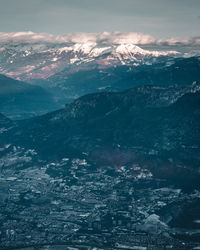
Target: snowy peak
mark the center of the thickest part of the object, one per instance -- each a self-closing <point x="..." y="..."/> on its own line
<point x="84" y="48"/>
<point x="93" y="49"/>
<point x="129" y="48"/>
<point x="40" y="62"/>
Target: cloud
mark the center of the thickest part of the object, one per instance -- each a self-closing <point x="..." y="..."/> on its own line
<point x="99" y="38"/>
<point x="194" y="41"/>
<point x="128" y="37"/>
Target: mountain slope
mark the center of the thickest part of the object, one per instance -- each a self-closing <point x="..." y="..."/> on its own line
<point x="73" y="82"/>
<point x="4" y="122"/>
<point x="155" y="126"/>
<point x="20" y="100"/>
<point x="70" y="70"/>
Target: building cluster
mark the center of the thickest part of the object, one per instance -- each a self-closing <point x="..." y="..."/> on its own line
<point x="74" y="204"/>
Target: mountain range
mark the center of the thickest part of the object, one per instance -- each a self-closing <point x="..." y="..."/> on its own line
<point x="74" y="82"/>
<point x="29" y="61"/>
<point x="68" y="70"/>
<point x="99" y="142"/>
<point x="144" y="124"/>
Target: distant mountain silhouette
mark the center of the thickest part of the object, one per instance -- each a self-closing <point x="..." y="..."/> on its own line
<point x="19" y="100"/>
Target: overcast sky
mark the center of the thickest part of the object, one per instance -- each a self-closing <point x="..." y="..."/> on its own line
<point x="160" y="18"/>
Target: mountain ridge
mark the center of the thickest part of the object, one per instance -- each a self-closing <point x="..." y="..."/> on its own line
<point x="26" y="64"/>
<point x="105" y="120"/>
<point x="19" y="99"/>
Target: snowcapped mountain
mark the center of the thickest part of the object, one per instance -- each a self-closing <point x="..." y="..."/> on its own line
<point x="40" y="61"/>
<point x="72" y="66"/>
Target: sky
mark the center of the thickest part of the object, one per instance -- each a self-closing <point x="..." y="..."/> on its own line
<point x="159" y="18"/>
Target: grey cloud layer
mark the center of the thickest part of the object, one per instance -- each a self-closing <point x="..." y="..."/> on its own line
<point x="99" y="38"/>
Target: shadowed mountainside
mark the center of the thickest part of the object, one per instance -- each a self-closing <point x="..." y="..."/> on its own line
<point x="19" y="100"/>
<point x="156" y="126"/>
